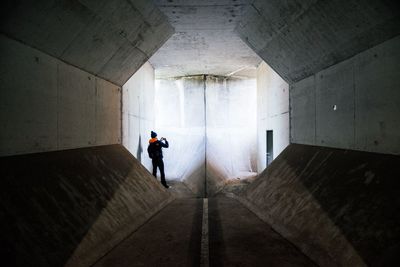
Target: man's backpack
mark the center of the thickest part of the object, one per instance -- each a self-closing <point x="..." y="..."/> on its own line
<point x="154" y="150"/>
<point x="149" y="151"/>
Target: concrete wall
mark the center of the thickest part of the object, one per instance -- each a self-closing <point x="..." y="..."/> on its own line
<point x="47" y="104"/>
<point x="138" y="113"/>
<point x="272" y="113"/>
<point x="70" y="207"/>
<point x="353" y="104"/>
<point x="340" y="207"/>
<point x="299" y="38"/>
<point x="110" y="39"/>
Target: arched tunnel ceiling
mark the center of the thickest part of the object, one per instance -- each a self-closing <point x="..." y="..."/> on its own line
<point x="204" y="41"/>
<point x="298" y="38"/>
<point x="110" y="39"/>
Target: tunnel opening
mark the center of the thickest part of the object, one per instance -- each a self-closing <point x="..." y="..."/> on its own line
<point x="215" y="124"/>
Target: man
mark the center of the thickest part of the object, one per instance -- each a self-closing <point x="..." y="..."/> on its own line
<point x="155" y="153"/>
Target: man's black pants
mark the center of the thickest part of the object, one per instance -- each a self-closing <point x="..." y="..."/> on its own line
<point x="160" y="164"/>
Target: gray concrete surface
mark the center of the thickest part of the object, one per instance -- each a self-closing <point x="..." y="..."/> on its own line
<point x="204" y="41"/>
<point x="48" y="105"/>
<point x="68" y="208"/>
<point x="353" y="104"/>
<point x="138" y="113"/>
<point x="171" y="238"/>
<point x="239" y="238"/>
<point x="299" y="38"/>
<point x="340" y="207"/>
<point x="272" y="113"/>
<point x="236" y="238"/>
<point x="110" y="39"/>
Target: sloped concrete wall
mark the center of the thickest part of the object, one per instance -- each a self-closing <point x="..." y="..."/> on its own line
<point x="272" y="113"/>
<point x="69" y="208"/>
<point x="48" y="105"/>
<point x="109" y="39"/>
<point x="299" y="38"/>
<point x="138" y="96"/>
<point x="353" y="104"/>
<point x="340" y="207"/>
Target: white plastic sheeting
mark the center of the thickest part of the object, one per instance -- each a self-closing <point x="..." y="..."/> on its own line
<point x="207" y="119"/>
<point x="180" y="118"/>
<point x="231" y="130"/>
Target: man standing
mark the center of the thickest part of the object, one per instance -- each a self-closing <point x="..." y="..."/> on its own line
<point x="155" y="153"/>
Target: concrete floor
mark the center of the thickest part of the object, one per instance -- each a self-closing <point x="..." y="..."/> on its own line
<point x="236" y="238"/>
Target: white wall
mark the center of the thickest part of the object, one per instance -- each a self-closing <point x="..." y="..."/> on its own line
<point x="138" y="113"/>
<point x="231" y="129"/>
<point x="46" y="104"/>
<point x="180" y="118"/>
<point x="272" y="112"/>
<point x="209" y="120"/>
<point x="365" y="90"/>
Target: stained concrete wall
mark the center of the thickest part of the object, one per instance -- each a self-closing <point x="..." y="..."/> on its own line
<point x="47" y="104"/>
<point x="340" y="207"/>
<point x="353" y="104"/>
<point x="299" y="38"/>
<point x="110" y="39"/>
<point x="138" y="113"/>
<point x="210" y="123"/>
<point x="70" y="207"/>
<point x="272" y="113"/>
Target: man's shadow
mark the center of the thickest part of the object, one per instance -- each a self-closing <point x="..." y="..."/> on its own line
<point x="139" y="150"/>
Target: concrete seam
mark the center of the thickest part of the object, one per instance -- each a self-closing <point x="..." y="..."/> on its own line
<point x="290" y="114"/>
<point x="315" y="109"/>
<point x="200" y="6"/>
<point x="354" y="105"/>
<point x="205" y="133"/>
<point x="204" y="256"/>
<point x="95" y="110"/>
<point x="57" y="108"/>
<point x="122" y="116"/>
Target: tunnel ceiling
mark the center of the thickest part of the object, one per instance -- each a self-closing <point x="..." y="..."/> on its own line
<point x="110" y="39"/>
<point x="298" y="38"/>
<point x="204" y="41"/>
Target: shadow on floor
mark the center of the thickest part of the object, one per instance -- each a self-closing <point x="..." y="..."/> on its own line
<point x="170" y="238"/>
<point x="49" y="201"/>
<point x="349" y="198"/>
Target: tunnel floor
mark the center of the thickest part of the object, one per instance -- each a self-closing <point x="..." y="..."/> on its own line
<point x="236" y="238"/>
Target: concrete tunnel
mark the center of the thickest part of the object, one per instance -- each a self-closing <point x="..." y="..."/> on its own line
<point x="283" y="119"/>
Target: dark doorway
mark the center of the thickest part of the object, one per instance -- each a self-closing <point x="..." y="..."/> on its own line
<point x="270" y="147"/>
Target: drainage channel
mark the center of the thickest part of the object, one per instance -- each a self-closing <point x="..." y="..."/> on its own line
<point x="204" y="257"/>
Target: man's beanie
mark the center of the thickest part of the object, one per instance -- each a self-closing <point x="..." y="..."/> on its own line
<point x="153" y="134"/>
